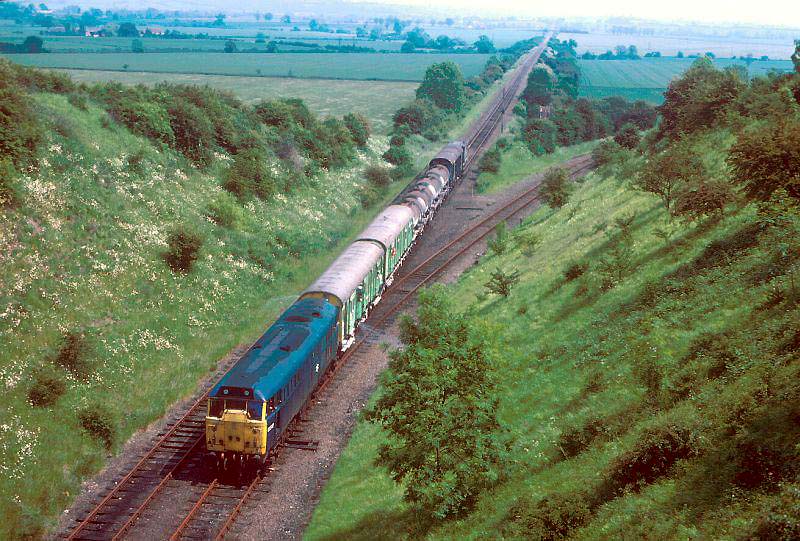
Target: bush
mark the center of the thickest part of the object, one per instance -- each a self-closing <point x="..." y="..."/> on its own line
<point x="358" y="126"/>
<point x="378" y="176"/>
<point x="540" y="136"/>
<point x="9" y="196"/>
<point x="146" y="118"/>
<point x="554" y="189"/>
<point x="47" y="388"/>
<point x="398" y="155"/>
<point x="20" y="131"/>
<point x="250" y="176"/>
<point x="499" y="244"/>
<point x="627" y="136"/>
<point x="574" y="441"/>
<point x="369" y="196"/>
<point x="223" y="212"/>
<point x="501" y="282"/>
<point x="417" y="117"/>
<point x="527" y="240"/>
<point x="184" y="249"/>
<point x="549" y="519"/>
<point x="194" y="133"/>
<point x="575" y="271"/>
<point x="605" y="152"/>
<point x="78" y="101"/>
<point x="490" y="161"/>
<point x="782" y="521"/>
<point x="703" y="198"/>
<point x="649" y="459"/>
<point x="97" y="420"/>
<point x="75" y="355"/>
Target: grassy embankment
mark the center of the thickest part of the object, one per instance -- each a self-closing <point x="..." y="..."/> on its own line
<point x="518" y="163"/>
<point x="668" y="358"/>
<point x="83" y="253"/>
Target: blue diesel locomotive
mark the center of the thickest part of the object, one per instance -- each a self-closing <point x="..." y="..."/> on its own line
<point x="251" y="407"/>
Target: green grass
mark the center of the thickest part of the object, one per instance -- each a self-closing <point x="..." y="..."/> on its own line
<point x="569" y="352"/>
<point x="377" y="100"/>
<point x="519" y="163"/>
<point x="778" y="47"/>
<point x="359" y="66"/>
<point x="648" y="78"/>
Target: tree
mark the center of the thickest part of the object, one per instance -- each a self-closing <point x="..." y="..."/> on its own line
<point x="703" y="198"/>
<point x="554" y="189"/>
<point x="500" y="283"/>
<point x="796" y="55"/>
<point x="665" y="173"/>
<point x="444" y="86"/>
<point x="540" y="135"/>
<point x="699" y="98"/>
<point x="407" y="47"/>
<point x="627" y="136"/>
<point x="219" y="20"/>
<point x="484" y="45"/>
<point x="540" y="87"/>
<point x="418" y="116"/>
<point x="499" y="244"/>
<point x="127" y="30"/>
<point x="230" y="46"/>
<point x="286" y="19"/>
<point x="313" y="25"/>
<point x="439" y="411"/>
<point x="490" y="161"/>
<point x="137" y="46"/>
<point x="766" y="158"/>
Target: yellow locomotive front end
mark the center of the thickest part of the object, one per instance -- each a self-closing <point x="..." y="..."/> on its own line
<point x="236" y="427"/>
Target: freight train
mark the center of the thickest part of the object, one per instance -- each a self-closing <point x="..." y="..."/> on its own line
<point x="252" y="406"/>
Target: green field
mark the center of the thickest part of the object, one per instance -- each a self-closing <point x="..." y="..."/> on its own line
<point x="777" y="47"/>
<point x="377" y="100"/>
<point x="359" y="66"/>
<point x="648" y="78"/>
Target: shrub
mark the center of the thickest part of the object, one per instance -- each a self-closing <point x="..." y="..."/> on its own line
<point x="501" y="282"/>
<point x="782" y="521"/>
<point x="764" y="169"/>
<point x="703" y="198"/>
<point x="358" y="126"/>
<point x="183" y="249"/>
<point x="575" y="271"/>
<point x="490" y="161"/>
<point x="499" y="244"/>
<point x="527" y="240"/>
<point x="650" y="458"/>
<point x="78" y="101"/>
<point x="223" y="212"/>
<point x="97" y="420"/>
<point x="549" y="519"/>
<point x="554" y="189"/>
<point x="378" y="176"/>
<point x="627" y="136"/>
<point x="193" y="132"/>
<point x="574" y="441"/>
<point x="667" y="172"/>
<point x="605" y="152"/>
<point x="9" y="196"/>
<point x="146" y="118"/>
<point x="249" y="175"/>
<point x="417" y="117"/>
<point x="369" y="195"/>
<point x="540" y="136"/>
<point x="398" y="155"/>
<point x="75" y="355"/>
<point x="20" y="131"/>
<point x="47" y="388"/>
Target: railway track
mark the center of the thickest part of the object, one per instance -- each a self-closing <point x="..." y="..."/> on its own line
<point x="171" y="492"/>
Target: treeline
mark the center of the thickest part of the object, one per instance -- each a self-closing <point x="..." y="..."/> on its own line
<point x="274" y="144"/>
<point x="444" y="96"/>
<point x="555" y="116"/>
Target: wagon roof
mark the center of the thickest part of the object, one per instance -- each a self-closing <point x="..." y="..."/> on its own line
<point x="388" y="225"/>
<point x="348" y="270"/>
<point x="451" y="152"/>
<point x="271" y="362"/>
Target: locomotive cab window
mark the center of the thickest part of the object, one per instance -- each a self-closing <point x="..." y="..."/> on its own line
<point x="255" y="410"/>
<point x="215" y="407"/>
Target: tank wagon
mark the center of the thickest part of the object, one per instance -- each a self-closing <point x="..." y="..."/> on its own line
<point x="251" y="407"/>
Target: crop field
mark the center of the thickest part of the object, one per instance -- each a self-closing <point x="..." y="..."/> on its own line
<point x="359" y="66"/>
<point x="647" y="78"/>
<point x="377" y="100"/>
<point x="776" y="48"/>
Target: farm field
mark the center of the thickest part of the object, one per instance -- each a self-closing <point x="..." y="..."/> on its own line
<point x="359" y="66"/>
<point x="377" y="100"/>
<point x="646" y="79"/>
<point x="670" y="45"/>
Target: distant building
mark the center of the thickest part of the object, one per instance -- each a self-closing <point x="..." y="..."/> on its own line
<point x="97" y="32"/>
<point x="153" y="31"/>
<point x="57" y="30"/>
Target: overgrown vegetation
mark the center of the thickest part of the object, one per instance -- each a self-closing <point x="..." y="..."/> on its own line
<point x="649" y="350"/>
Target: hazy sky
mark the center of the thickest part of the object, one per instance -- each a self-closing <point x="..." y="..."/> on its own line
<point x="773" y="12"/>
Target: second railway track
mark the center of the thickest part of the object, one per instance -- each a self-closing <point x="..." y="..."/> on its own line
<point x="171" y="492"/>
